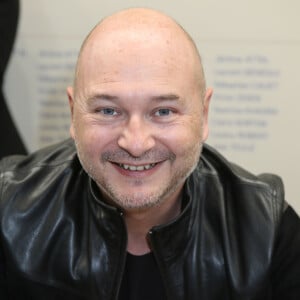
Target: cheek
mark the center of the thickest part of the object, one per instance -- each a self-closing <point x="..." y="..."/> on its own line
<point x="92" y="138"/>
<point x="185" y="138"/>
<point x="85" y="136"/>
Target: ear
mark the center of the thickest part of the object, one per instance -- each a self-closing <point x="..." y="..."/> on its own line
<point x="206" y="102"/>
<point x="70" y="94"/>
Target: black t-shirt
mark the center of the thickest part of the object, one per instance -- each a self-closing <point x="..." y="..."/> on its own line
<point x="141" y="279"/>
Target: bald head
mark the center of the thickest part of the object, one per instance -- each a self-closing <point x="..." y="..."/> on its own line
<point x="134" y="30"/>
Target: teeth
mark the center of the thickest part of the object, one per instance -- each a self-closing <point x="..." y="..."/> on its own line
<point x="137" y="168"/>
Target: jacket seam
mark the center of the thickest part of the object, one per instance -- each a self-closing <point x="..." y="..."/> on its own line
<point x="1" y="184"/>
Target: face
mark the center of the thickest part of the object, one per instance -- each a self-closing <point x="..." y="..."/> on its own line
<point x="138" y="119"/>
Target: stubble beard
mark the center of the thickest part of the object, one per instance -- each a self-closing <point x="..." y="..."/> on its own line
<point x="140" y="200"/>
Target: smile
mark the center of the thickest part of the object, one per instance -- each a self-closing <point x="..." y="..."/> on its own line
<point x="137" y="168"/>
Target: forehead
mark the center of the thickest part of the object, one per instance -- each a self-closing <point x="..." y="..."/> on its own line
<point x="127" y="51"/>
<point x="161" y="54"/>
<point x="161" y="42"/>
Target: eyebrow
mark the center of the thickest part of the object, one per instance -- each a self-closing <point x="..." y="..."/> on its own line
<point x="102" y="97"/>
<point x="157" y="98"/>
<point x="166" y="97"/>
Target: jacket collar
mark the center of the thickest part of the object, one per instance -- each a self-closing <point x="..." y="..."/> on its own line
<point x="173" y="236"/>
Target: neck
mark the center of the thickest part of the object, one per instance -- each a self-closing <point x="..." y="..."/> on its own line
<point x="139" y="222"/>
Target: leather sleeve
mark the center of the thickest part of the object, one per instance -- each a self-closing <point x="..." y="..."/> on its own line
<point x="3" y="292"/>
<point x="285" y="272"/>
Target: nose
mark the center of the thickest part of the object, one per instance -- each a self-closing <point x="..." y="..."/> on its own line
<point x="136" y="136"/>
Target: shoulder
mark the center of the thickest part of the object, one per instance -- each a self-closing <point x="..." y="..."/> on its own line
<point x="46" y="165"/>
<point x="241" y="187"/>
<point x="215" y="163"/>
<point x="53" y="155"/>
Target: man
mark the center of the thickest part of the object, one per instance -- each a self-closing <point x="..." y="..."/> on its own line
<point x="138" y="210"/>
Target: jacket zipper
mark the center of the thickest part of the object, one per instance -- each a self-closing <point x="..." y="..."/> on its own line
<point x="123" y="261"/>
<point x="150" y="237"/>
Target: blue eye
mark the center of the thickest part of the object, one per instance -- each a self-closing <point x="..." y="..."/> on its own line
<point x="108" y="111"/>
<point x="163" y="112"/>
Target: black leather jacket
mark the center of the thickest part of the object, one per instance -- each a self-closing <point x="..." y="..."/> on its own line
<point x="59" y="240"/>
